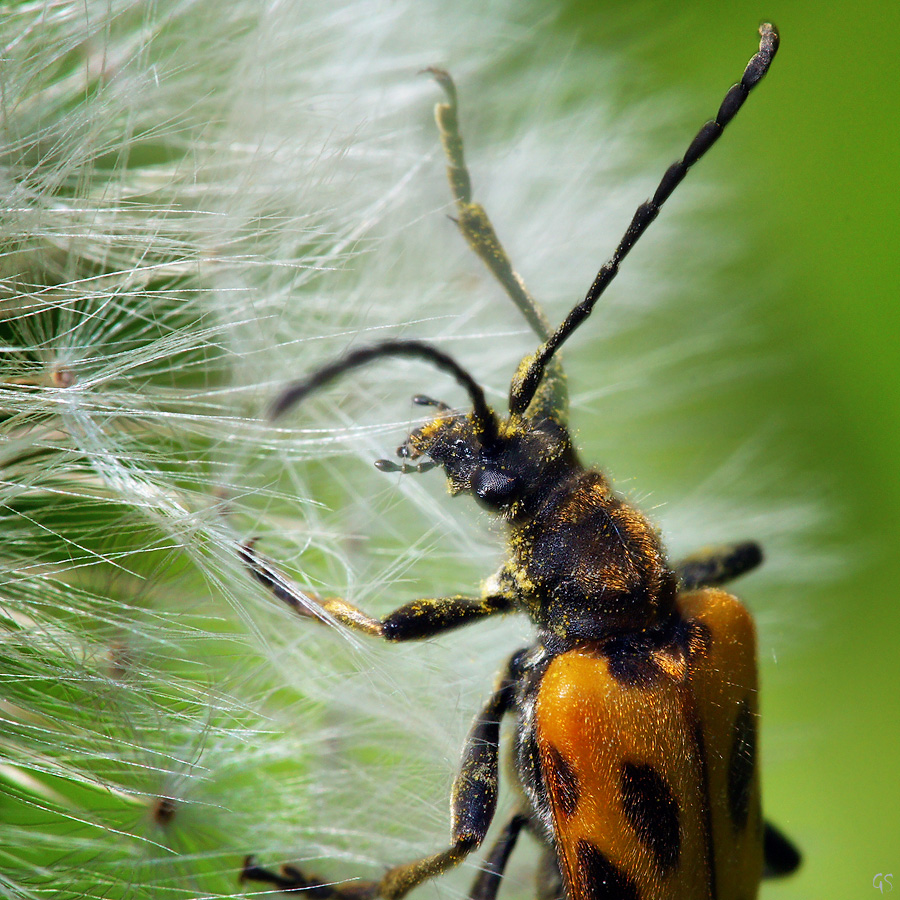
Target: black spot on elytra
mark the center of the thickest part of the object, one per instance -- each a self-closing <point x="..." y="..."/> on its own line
<point x="652" y="811"/>
<point x="562" y="780"/>
<point x="598" y="878"/>
<point x="742" y="765"/>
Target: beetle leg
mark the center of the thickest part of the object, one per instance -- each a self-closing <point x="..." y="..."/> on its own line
<point x="713" y="566"/>
<point x="290" y="878"/>
<point x="473" y="220"/>
<point x="396" y="883"/>
<point x="548" y="876"/>
<point x="780" y="856"/>
<point x="415" y="620"/>
<point x="551" y="399"/>
<point x="474" y="797"/>
<point x="472" y="807"/>
<point x="487" y="882"/>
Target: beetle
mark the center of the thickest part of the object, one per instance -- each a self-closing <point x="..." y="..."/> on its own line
<point x="636" y="706"/>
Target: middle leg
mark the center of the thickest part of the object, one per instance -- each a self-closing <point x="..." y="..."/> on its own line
<point x="473" y="804"/>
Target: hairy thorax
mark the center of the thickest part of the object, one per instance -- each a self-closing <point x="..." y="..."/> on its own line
<point x="588" y="565"/>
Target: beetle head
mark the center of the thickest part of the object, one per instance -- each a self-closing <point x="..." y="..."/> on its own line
<point x="506" y="472"/>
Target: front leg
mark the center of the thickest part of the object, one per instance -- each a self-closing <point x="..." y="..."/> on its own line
<point x="552" y="397"/>
<point x="473" y="804"/>
<point x="473" y="220"/>
<point x="413" y="621"/>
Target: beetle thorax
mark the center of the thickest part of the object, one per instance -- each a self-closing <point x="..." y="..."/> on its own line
<point x="594" y="565"/>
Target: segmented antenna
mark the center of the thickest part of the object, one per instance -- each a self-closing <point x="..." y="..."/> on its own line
<point x="524" y="386"/>
<point x="484" y="419"/>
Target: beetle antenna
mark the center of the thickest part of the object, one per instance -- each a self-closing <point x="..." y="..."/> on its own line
<point x="525" y="385"/>
<point x="485" y="420"/>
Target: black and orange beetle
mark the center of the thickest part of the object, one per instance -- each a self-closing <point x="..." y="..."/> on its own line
<point x="636" y="706"/>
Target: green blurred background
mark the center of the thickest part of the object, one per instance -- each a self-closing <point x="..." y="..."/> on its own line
<point x="822" y="135"/>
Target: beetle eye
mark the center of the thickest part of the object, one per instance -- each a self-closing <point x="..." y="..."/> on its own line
<point x="493" y="487"/>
